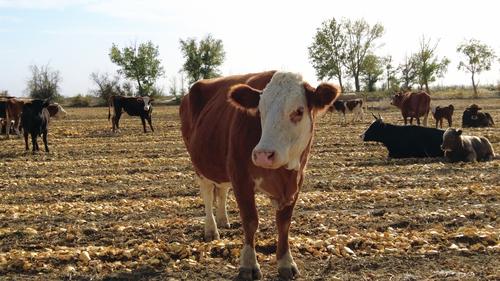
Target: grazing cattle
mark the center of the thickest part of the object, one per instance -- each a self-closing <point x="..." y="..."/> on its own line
<point x="413" y="105"/>
<point x="252" y="132"/>
<point x="405" y="141"/>
<point x="354" y="106"/>
<point x="10" y="110"/>
<point x="473" y="118"/>
<point x="134" y="106"/>
<point x="35" y="121"/>
<point x="56" y="111"/>
<point x="458" y="147"/>
<point x="441" y="113"/>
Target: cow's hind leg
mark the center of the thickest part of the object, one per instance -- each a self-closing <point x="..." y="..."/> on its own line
<point x="287" y="268"/>
<point x="221" y="211"/>
<point x="26" y="140"/>
<point x="45" y="142"/>
<point x="207" y="189"/>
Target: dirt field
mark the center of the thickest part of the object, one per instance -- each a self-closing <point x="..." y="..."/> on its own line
<point x="125" y="207"/>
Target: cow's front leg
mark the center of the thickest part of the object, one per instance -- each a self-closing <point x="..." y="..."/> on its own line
<point x="45" y="142"/>
<point x="207" y="193"/>
<point x="26" y="140"/>
<point x="287" y="268"/>
<point x="150" y="124"/>
<point x="249" y="266"/>
<point x="143" y="120"/>
<point x="221" y="211"/>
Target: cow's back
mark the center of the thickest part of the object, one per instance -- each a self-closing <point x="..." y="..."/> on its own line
<point x="416" y="104"/>
<point x="206" y="118"/>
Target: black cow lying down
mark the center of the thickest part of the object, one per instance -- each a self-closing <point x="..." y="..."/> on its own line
<point x="134" y="106"/>
<point x="405" y="141"/>
<point x="35" y="121"/>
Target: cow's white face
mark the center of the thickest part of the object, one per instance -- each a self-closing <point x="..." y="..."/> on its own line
<point x="147" y="103"/>
<point x="61" y="113"/>
<point x="287" y="106"/>
<point x="286" y="123"/>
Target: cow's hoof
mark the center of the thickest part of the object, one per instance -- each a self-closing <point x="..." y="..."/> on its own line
<point x="249" y="274"/>
<point x="288" y="273"/>
<point x="223" y="223"/>
<point x="211" y="235"/>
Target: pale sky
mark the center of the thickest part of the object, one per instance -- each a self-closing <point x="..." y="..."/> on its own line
<point x="74" y="37"/>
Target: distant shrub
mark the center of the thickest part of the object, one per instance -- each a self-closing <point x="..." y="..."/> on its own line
<point x="80" y="101"/>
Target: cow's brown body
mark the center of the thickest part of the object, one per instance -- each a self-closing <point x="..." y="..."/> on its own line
<point x="441" y="113"/>
<point x="13" y="109"/>
<point x="220" y="138"/>
<point x="413" y="105"/>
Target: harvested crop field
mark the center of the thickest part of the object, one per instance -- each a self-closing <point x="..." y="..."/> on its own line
<point x="103" y="206"/>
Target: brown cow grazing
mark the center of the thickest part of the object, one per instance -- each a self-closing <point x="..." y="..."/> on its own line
<point x="458" y="147"/>
<point x="413" y="105"/>
<point x="252" y="132"/>
<point x="11" y="109"/>
<point x="441" y="113"/>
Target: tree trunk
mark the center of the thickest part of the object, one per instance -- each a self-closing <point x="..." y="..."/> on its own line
<point x="356" y="82"/>
<point x="340" y="83"/>
<point x="427" y="87"/>
<point x="474" y="86"/>
<point x="139" y="86"/>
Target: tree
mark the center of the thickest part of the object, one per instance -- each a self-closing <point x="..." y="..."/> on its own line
<point x="140" y="64"/>
<point x="360" y="40"/>
<point x="107" y="86"/>
<point x="428" y="66"/>
<point x="202" y="59"/>
<point x="408" y="71"/>
<point x="44" y="83"/>
<point x="371" y="71"/>
<point x="327" y="52"/>
<point x="4" y="93"/>
<point x="478" y="58"/>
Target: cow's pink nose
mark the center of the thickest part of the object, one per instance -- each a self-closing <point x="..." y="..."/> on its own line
<point x="264" y="158"/>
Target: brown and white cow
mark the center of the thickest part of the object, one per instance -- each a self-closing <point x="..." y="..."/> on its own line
<point x="458" y="147"/>
<point x="252" y="132"/>
<point x="413" y="105"/>
<point x="57" y="111"/>
<point x="10" y="110"/>
<point x="354" y="106"/>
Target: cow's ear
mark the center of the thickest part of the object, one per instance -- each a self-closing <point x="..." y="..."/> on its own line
<point x="322" y="97"/>
<point x="459" y="132"/>
<point x="46" y="103"/>
<point x="244" y="98"/>
<point x="151" y="100"/>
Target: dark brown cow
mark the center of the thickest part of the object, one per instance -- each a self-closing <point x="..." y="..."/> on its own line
<point x="252" y="132"/>
<point x="439" y="113"/>
<point x="413" y="105"/>
<point x="11" y="109"/>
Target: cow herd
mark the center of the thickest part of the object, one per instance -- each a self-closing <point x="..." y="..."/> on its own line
<point x="254" y="132"/>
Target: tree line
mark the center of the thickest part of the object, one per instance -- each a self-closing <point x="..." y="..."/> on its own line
<point x="344" y="50"/>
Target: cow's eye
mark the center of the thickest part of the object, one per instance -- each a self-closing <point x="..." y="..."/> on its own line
<point x="297" y="114"/>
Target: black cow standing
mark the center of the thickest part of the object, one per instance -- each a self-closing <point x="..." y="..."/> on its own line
<point x="134" y="106"/>
<point x="35" y="121"/>
<point x="405" y="141"/>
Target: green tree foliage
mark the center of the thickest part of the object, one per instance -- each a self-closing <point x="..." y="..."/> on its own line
<point x="478" y="58"/>
<point x="429" y="67"/>
<point x="408" y="72"/>
<point x="80" y="101"/>
<point x="44" y="83"/>
<point x="327" y="52"/>
<point x="202" y="59"/>
<point x="360" y="41"/>
<point x="139" y="64"/>
<point x="372" y="70"/>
